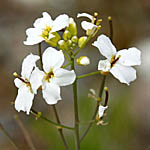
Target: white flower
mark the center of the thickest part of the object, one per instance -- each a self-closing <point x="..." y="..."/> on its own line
<point x="27" y="84"/>
<point x="54" y="76"/>
<point x="101" y="110"/>
<point x="118" y="63"/>
<point x="89" y="27"/>
<point x="44" y="28"/>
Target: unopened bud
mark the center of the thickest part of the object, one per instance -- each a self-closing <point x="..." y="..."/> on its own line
<point x="81" y="41"/>
<point x="74" y="39"/>
<point x="54" y="40"/>
<point x="83" y="61"/>
<point x="66" y="35"/>
<point x="62" y="45"/>
<point x="72" y="28"/>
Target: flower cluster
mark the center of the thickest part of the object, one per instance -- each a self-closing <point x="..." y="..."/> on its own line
<point x="61" y="33"/>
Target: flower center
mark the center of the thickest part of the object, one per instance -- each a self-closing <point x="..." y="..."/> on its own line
<point x="114" y="60"/>
<point x="48" y="76"/>
<point x="45" y="32"/>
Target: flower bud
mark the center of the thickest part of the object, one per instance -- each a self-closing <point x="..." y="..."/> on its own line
<point x="62" y="45"/>
<point x="74" y="39"/>
<point x="83" y="61"/>
<point x="81" y="41"/>
<point x="72" y="28"/>
<point x="54" y="40"/>
<point x="66" y="35"/>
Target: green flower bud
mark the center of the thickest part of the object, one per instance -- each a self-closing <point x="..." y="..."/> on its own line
<point x="62" y="45"/>
<point x="81" y="41"/>
<point x="54" y="40"/>
<point x="72" y="28"/>
<point x="74" y="39"/>
<point x="66" y="35"/>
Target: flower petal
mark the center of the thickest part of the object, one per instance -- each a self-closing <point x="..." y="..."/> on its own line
<point x="28" y="64"/>
<point x="44" y="21"/>
<point x="85" y="15"/>
<point x="33" y="36"/>
<point x="18" y="83"/>
<point x="60" y="22"/>
<point x="101" y="110"/>
<point x="124" y="74"/>
<point x="51" y="93"/>
<point x="24" y="99"/>
<point x="87" y="25"/>
<point x="64" y="77"/>
<point x="104" y="65"/>
<point x="52" y="59"/>
<point x="130" y="57"/>
<point x="105" y="46"/>
<point x="36" y="79"/>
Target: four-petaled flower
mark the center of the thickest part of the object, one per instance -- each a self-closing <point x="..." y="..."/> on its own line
<point x="90" y="27"/>
<point x="118" y="63"/>
<point x="27" y="84"/>
<point x="45" y="28"/>
<point x="54" y="76"/>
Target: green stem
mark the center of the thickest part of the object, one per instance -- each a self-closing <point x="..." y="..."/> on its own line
<point x="60" y="129"/>
<point x="96" y="109"/>
<point x="33" y="112"/>
<point x="8" y="136"/>
<point x="40" y="54"/>
<point x="66" y="65"/>
<point x="76" y="115"/>
<point x="88" y="74"/>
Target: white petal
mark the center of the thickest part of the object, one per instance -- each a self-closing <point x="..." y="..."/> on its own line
<point x="42" y="22"/>
<point x="18" y="83"/>
<point x="87" y="25"/>
<point x="130" y="57"/>
<point x="101" y="110"/>
<point x="104" y="65"/>
<point x="51" y="93"/>
<point x="85" y="15"/>
<point x="105" y="46"/>
<point x="52" y="59"/>
<point x="64" y="77"/>
<point x="124" y="74"/>
<point x="24" y="99"/>
<point x="28" y="65"/>
<point x="33" y="40"/>
<point x="33" y="36"/>
<point x="60" y="22"/>
<point x="36" y="79"/>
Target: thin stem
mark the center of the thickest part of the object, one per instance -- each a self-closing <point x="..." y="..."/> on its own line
<point x="33" y="112"/>
<point x="76" y="115"/>
<point x="96" y="109"/>
<point x="110" y="28"/>
<point x="8" y="136"/>
<point x="25" y="132"/>
<point x="88" y="38"/>
<point x="88" y="74"/>
<point x="66" y="65"/>
<point x="102" y="85"/>
<point x="40" y="54"/>
<point x="66" y="56"/>
<point x="60" y="129"/>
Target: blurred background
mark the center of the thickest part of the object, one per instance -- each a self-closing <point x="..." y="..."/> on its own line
<point x="128" y="116"/>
